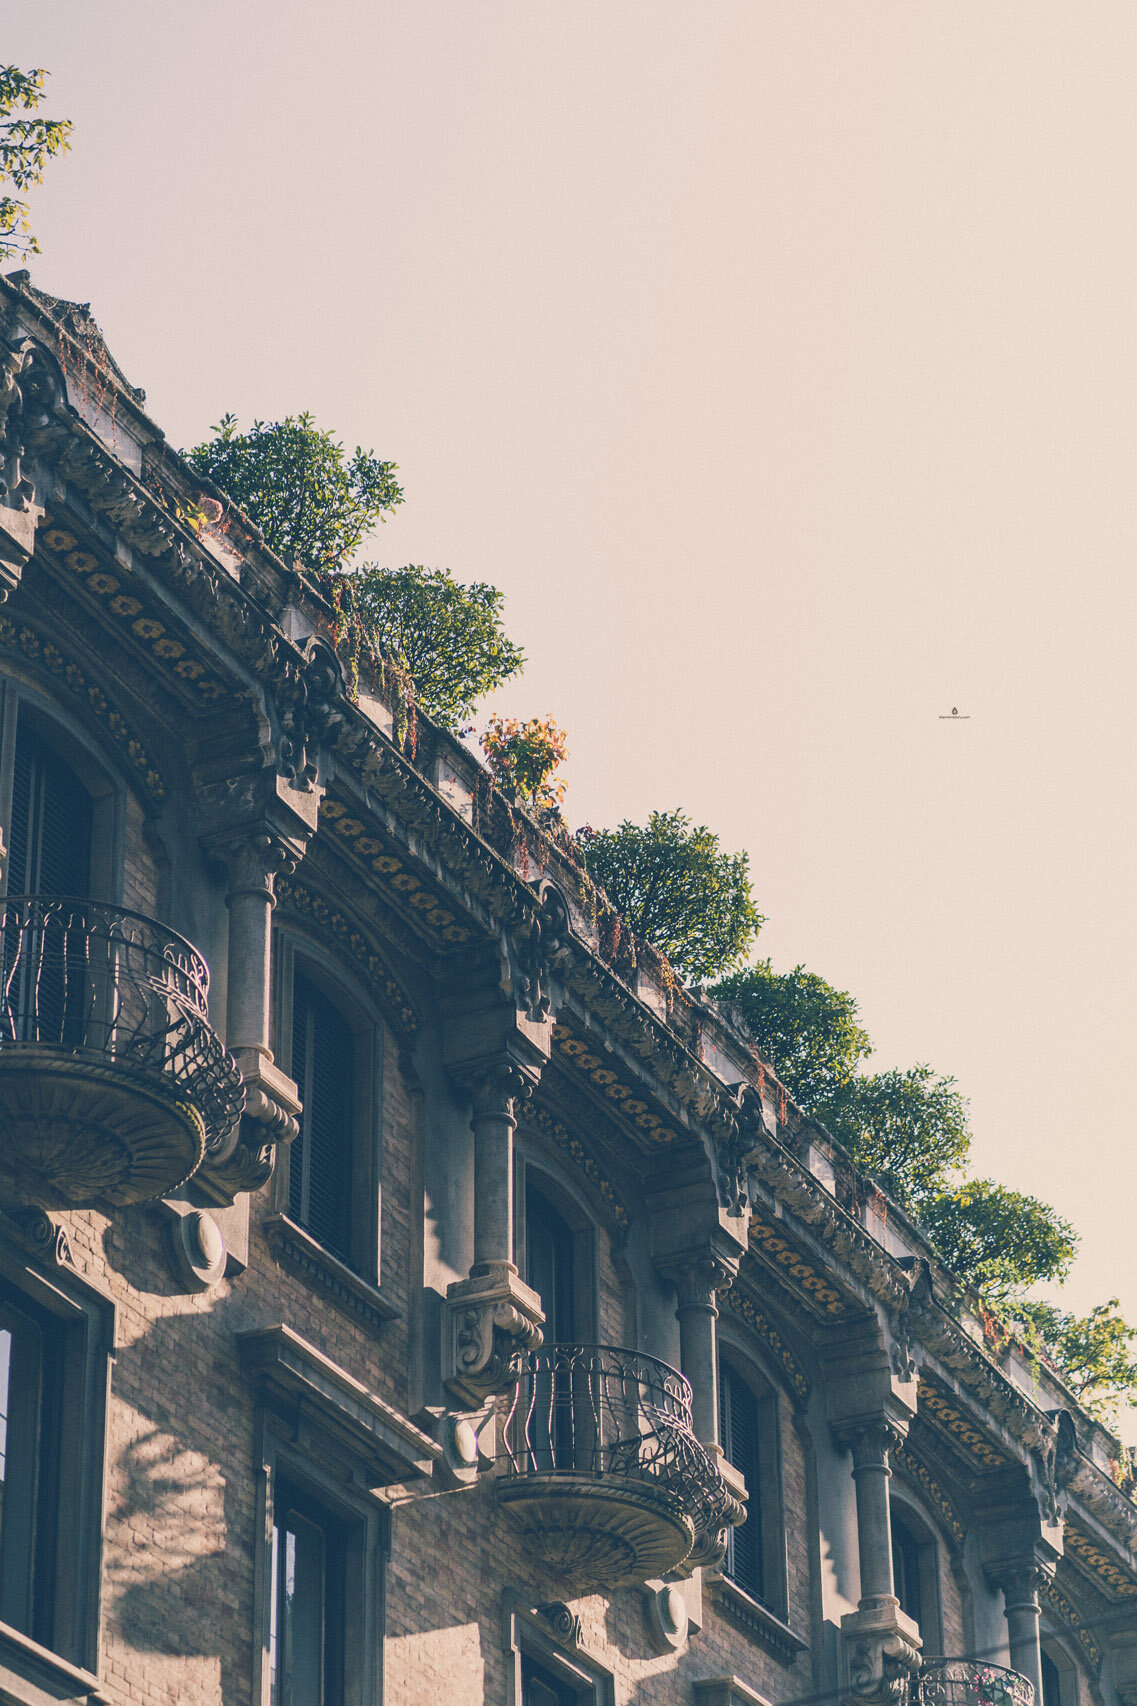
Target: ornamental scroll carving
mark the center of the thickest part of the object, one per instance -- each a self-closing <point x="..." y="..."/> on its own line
<point x="31" y="393"/>
<point x="495" y="1321"/>
<point x="880" y="1665"/>
<point x="536" y="948"/>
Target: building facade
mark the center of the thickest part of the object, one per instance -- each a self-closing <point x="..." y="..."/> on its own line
<point x="407" y="1291"/>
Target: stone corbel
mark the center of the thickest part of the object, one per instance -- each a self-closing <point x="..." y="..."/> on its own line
<point x="880" y="1655"/>
<point x="494" y="1320"/>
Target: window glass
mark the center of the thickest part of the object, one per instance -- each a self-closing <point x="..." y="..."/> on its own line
<point x="319" y="1168"/>
<point x="540" y="1687"/>
<point x="906" y="1568"/>
<point x="549" y="1267"/>
<point x="306" y="1614"/>
<point x="1051" y="1681"/>
<point x="29" y="1467"/>
<point x="740" y="1440"/>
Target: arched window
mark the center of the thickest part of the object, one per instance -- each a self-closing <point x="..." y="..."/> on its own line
<point x="549" y="1266"/>
<point x="49" y="837"/>
<point x="906" y="1569"/>
<point x="740" y="1436"/>
<point x="320" y="1161"/>
<point x="331" y="1046"/>
<point x="1051" y="1681"/>
<point x="915" y="1571"/>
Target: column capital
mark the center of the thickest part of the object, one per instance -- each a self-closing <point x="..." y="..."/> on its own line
<point x="254" y="857"/>
<point x="1021" y="1581"/>
<point x="497" y="1089"/>
<point x="699" y="1280"/>
<point x="871" y="1438"/>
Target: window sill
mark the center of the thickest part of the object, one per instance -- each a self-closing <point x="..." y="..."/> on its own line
<point x="295" y="1248"/>
<point x="737" y="1607"/>
<point x="35" y="1676"/>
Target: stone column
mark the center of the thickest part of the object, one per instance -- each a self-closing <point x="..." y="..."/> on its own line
<point x="871" y="1475"/>
<point x="254" y="860"/>
<point x="880" y="1644"/>
<point x="494" y="1121"/>
<point x="494" y="1318"/>
<point x="1020" y="1584"/>
<point x="698" y="1285"/>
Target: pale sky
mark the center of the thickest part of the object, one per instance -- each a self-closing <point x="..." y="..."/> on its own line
<point x="778" y="360"/>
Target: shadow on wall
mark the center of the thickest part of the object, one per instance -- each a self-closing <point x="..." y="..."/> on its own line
<point x="168" y="1532"/>
<point x="181" y="1510"/>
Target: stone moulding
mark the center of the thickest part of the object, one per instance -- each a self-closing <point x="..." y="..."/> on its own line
<point x="755" y="1620"/>
<point x="295" y="1248"/>
<point x="294" y="1371"/>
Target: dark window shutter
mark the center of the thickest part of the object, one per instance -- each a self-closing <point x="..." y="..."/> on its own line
<point x="323" y="1063"/>
<point x="738" y="1428"/>
<point x="51" y="824"/>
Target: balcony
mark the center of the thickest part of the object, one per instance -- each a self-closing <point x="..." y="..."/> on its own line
<point x="601" y="1469"/>
<point x="966" y="1682"/>
<point x="113" y="1085"/>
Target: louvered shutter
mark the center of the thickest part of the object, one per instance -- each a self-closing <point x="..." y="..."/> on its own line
<point x="50" y="854"/>
<point x="738" y="1432"/>
<point x="323" y="1063"/>
<point x="51" y="824"/>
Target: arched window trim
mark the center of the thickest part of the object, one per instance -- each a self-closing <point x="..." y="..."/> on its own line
<point x="294" y="947"/>
<point x="926" y="1537"/>
<point x="579" y="1217"/>
<point x="1053" y="1643"/>
<point x="767" y="1389"/>
<point x="71" y="742"/>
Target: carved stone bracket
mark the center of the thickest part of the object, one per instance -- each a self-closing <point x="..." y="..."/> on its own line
<point x="31" y="392"/>
<point x="536" y="946"/>
<point x="493" y="1320"/>
<point x="43" y="1236"/>
<point x="311" y="714"/>
<point x="880" y="1654"/>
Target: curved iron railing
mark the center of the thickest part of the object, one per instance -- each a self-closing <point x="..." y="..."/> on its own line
<point x="599" y="1410"/>
<point x="117" y="989"/>
<point x="967" y="1682"/>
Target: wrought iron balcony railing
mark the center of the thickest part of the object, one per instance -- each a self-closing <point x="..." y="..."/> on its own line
<point x="98" y="1004"/>
<point x="967" y="1682"/>
<point x="600" y="1459"/>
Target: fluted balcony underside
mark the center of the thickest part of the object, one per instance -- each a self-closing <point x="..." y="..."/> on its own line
<point x="601" y="1468"/>
<point x="113" y="1085"/>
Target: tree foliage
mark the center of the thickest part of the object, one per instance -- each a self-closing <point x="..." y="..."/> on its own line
<point x="909" y="1128"/>
<point x="997" y="1240"/>
<point x="1093" y="1352"/>
<point x="677" y="890"/>
<point x="448" y="637"/>
<point x="805" y="1028"/>
<point x="27" y="143"/>
<point x="311" y="501"/>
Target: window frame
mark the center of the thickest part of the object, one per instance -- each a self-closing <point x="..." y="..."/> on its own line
<point x="530" y="1175"/>
<point x="529" y="1638"/>
<point x="925" y="1542"/>
<point x="48" y="1289"/>
<point x="68" y="741"/>
<point x="288" y="1470"/>
<point x="292" y="948"/>
<point x="733" y="1355"/>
